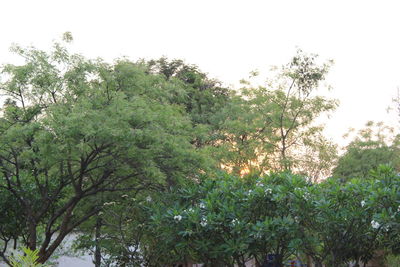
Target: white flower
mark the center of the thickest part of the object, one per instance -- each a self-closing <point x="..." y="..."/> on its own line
<point x="235" y="221"/>
<point x="148" y="199"/>
<point x="101" y="213"/>
<point x="363" y="203"/>
<point x="203" y="222"/>
<point x="190" y="210"/>
<point x="202" y="206"/>
<point x="375" y="224"/>
<point x="306" y="196"/>
<point x="124" y="196"/>
<point x="259" y="183"/>
<point x="268" y="191"/>
<point x="398" y="209"/>
<point x="178" y="218"/>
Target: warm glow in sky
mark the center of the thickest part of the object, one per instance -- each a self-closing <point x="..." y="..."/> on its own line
<point x="228" y="39"/>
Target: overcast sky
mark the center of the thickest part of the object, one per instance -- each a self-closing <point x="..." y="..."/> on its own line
<point x="228" y="39"/>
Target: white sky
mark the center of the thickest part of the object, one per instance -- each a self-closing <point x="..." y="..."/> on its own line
<point x="228" y="39"/>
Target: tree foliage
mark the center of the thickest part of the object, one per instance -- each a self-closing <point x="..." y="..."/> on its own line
<point x="374" y="145"/>
<point x="73" y="128"/>
<point x="273" y="127"/>
<point x="204" y="97"/>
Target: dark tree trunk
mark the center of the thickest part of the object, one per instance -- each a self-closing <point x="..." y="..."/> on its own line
<point x="279" y="260"/>
<point x="32" y="234"/>
<point x="318" y="263"/>
<point x="97" y="252"/>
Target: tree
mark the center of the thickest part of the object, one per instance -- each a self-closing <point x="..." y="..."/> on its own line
<point x="116" y="236"/>
<point x="72" y="129"/>
<point x="200" y="98"/>
<point x="273" y="127"/>
<point x="374" y="145"/>
<point x="203" y="98"/>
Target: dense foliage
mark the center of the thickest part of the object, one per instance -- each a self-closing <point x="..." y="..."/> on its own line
<point x="225" y="220"/>
<point x="273" y="127"/>
<point x="373" y="145"/>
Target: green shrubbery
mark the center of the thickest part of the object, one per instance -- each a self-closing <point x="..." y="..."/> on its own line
<point x="227" y="220"/>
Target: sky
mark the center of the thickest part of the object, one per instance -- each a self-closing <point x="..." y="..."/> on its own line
<point x="228" y="39"/>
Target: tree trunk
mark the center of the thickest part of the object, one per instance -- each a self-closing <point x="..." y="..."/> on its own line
<point x="97" y="252"/>
<point x="32" y="234"/>
<point x="318" y="263"/>
<point x="44" y="254"/>
<point x="309" y="261"/>
<point x="279" y="260"/>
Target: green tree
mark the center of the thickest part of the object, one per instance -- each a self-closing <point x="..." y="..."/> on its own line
<point x="203" y="98"/>
<point x="273" y="127"/>
<point x="72" y="129"/>
<point x="374" y="145"/>
<point x="116" y="235"/>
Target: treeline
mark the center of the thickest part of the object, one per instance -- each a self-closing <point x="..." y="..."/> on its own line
<point x="84" y="142"/>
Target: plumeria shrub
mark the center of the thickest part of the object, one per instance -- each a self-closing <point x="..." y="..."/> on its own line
<point x="385" y="197"/>
<point x="335" y="223"/>
<point x="226" y="220"/>
<point x="349" y="222"/>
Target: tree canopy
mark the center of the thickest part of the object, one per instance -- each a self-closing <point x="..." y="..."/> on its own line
<point x="374" y="145"/>
<point x="274" y="127"/>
